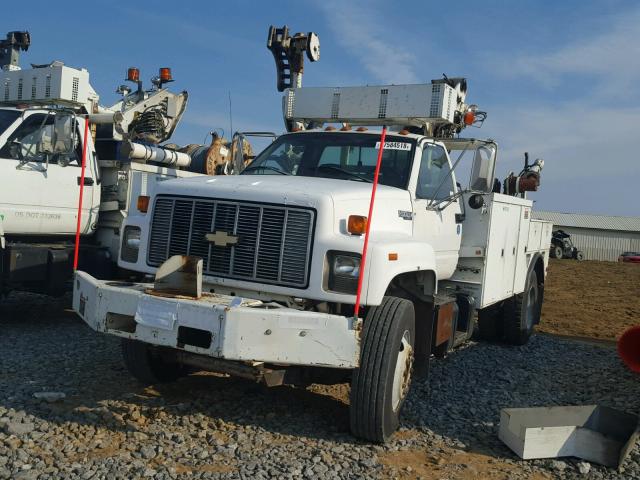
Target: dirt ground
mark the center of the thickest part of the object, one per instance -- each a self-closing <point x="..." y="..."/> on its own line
<point x="453" y="465"/>
<point x="590" y="299"/>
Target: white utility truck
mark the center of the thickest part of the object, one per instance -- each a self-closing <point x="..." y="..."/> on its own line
<point x="42" y="140"/>
<point x="256" y="274"/>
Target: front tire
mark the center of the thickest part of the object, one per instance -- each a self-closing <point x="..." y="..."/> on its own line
<point x="381" y="383"/>
<point x="147" y="365"/>
<point x="491" y="324"/>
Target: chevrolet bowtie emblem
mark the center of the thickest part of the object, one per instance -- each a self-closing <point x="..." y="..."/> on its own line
<point x="221" y="239"/>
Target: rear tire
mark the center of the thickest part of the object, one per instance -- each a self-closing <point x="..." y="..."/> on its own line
<point x="147" y="366"/>
<point x="381" y="383"/>
<point x="556" y="252"/>
<point x="522" y="312"/>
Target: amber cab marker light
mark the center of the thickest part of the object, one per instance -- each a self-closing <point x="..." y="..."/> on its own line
<point x="133" y="74"/>
<point x="143" y="203"/>
<point x="393" y="257"/>
<point x="357" y="224"/>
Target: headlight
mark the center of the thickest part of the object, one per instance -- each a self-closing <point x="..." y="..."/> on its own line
<point x="344" y="272"/>
<point x="130" y="244"/>
<point x="345" y="265"/>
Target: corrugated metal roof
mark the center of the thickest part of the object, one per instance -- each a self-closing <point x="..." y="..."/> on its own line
<point x="581" y="220"/>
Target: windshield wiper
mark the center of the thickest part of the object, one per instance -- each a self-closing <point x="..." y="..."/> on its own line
<point x="342" y="170"/>
<point x="265" y="167"/>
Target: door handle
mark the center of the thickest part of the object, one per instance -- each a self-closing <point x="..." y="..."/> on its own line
<point x="88" y="181"/>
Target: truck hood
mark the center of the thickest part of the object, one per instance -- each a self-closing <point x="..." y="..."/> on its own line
<point x="281" y="189"/>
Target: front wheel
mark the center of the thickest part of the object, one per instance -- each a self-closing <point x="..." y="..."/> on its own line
<point x="381" y="383"/>
<point x="491" y="323"/>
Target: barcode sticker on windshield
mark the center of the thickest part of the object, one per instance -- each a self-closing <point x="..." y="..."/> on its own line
<point x="394" y="146"/>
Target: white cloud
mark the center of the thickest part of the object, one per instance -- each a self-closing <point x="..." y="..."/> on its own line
<point x="590" y="154"/>
<point x="583" y="140"/>
<point x="610" y="56"/>
<point x="586" y="128"/>
<point x="363" y="35"/>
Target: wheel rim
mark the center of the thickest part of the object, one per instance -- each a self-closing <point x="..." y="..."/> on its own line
<point x="532" y="300"/>
<point x="402" y="373"/>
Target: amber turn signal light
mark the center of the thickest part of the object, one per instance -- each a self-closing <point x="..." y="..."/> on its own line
<point x="143" y="203"/>
<point x="357" y="224"/>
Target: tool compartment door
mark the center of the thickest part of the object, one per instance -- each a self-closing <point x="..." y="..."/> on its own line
<point x="523" y="252"/>
<point x="502" y="250"/>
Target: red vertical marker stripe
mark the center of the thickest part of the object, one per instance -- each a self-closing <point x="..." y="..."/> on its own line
<point x="363" y="261"/>
<point x="84" y="166"/>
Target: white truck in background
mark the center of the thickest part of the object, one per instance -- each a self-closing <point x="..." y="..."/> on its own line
<point x="256" y="274"/>
<point x="42" y="137"/>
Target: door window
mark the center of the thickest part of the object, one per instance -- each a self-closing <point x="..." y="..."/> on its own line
<point x="33" y="138"/>
<point x="435" y="179"/>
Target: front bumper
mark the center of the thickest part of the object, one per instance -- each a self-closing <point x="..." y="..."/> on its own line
<point x="218" y="326"/>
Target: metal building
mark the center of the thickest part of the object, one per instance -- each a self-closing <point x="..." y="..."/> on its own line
<point x="600" y="237"/>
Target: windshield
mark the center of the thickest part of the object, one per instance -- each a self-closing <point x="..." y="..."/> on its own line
<point x="343" y="156"/>
<point x="7" y="117"/>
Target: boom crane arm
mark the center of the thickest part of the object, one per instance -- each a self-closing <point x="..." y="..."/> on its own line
<point x="289" y="52"/>
<point x="10" y="49"/>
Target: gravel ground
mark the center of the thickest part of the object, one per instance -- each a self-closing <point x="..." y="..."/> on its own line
<point x="209" y="426"/>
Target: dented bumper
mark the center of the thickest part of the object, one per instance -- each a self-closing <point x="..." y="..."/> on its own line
<point x="218" y="326"/>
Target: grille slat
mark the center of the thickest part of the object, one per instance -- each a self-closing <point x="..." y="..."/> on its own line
<point x="274" y="243"/>
<point x="161" y="223"/>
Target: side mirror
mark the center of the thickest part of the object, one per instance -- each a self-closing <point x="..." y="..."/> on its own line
<point x="64" y="134"/>
<point x="15" y="150"/>
<point x="482" y="172"/>
<point x="240" y="150"/>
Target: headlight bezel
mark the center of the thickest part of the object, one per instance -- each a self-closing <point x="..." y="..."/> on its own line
<point x="130" y="245"/>
<point x="345" y="281"/>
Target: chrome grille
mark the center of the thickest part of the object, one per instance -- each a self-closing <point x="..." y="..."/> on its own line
<point x="274" y="243"/>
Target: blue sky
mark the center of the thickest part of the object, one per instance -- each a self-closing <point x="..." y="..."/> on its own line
<point x="558" y="79"/>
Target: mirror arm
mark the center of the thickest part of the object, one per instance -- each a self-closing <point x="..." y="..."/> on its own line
<point x="452" y="198"/>
<point x="450" y="174"/>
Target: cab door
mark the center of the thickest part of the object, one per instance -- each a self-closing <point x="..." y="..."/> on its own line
<point x="436" y="217"/>
<point x="39" y="193"/>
